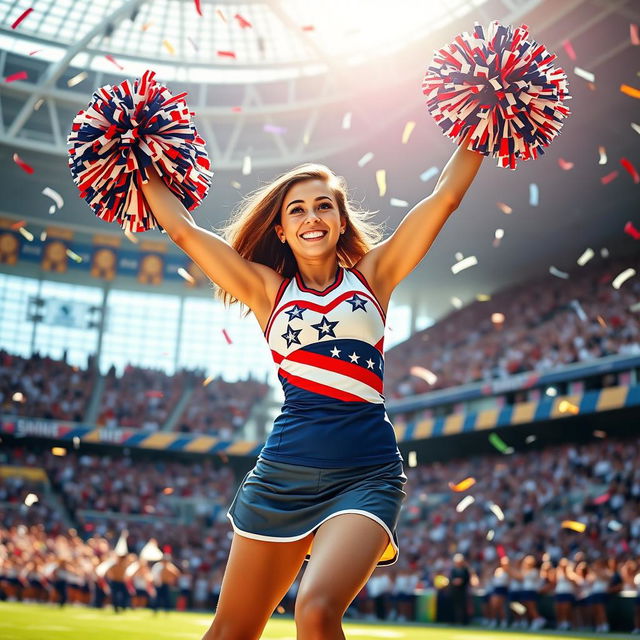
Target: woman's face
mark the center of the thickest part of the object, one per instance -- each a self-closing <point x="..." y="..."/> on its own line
<point x="310" y="220"/>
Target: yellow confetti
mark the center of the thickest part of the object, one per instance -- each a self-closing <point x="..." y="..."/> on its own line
<point x="568" y="407"/>
<point x="74" y="256"/>
<point x="574" y="525"/>
<point x="26" y="234"/>
<point x="208" y="380"/>
<point x="603" y="155"/>
<point x="169" y="47"/>
<point x="483" y="297"/>
<point x="505" y="208"/>
<point x="441" y="582"/>
<point x="77" y="79"/>
<point x="463" y="485"/>
<point x="59" y="451"/>
<point x="381" y="179"/>
<point x="630" y="91"/>
<point x="408" y="130"/>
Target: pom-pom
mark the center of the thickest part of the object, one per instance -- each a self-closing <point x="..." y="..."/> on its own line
<point x="127" y="131"/>
<point x="501" y="88"/>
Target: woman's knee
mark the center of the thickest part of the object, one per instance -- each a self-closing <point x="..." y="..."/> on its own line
<point x="317" y="612"/>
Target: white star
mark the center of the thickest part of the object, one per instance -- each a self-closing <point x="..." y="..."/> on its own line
<point x="335" y="352"/>
<point x="354" y="357"/>
<point x="370" y="363"/>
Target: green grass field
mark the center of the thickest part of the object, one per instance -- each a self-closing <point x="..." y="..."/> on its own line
<point x="39" y="622"/>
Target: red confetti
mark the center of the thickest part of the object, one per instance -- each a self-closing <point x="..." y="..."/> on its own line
<point x="236" y="109"/>
<point x="244" y="24"/>
<point x="34" y="52"/>
<point x="308" y="27"/>
<point x="610" y="177"/>
<point x="18" y="224"/>
<point x="565" y="164"/>
<point x="21" y="18"/>
<point x="198" y="7"/>
<point x="634" y="34"/>
<point x="226" y="336"/>
<point x="166" y="548"/>
<point x="500" y="551"/>
<point x="602" y="499"/>
<point x="154" y="394"/>
<point x="630" y="230"/>
<point x="19" y="75"/>
<point x="111" y="59"/>
<point x="227" y="54"/>
<point x="568" y="47"/>
<point x="22" y="164"/>
<point x="633" y="172"/>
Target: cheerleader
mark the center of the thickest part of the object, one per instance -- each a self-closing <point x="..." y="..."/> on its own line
<point x="601" y="578"/>
<point x="529" y="577"/>
<point x="564" y="594"/>
<point x="499" y="593"/>
<point x="583" y="579"/>
<point x="630" y="574"/>
<point x="328" y="484"/>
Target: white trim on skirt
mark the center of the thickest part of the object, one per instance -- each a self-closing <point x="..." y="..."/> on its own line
<point x="257" y="536"/>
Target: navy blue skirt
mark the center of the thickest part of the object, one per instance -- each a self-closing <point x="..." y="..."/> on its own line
<point x="279" y="502"/>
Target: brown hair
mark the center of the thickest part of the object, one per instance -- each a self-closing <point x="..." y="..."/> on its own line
<point x="251" y="229"/>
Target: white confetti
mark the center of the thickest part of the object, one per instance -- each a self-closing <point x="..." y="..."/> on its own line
<point x="186" y="275"/>
<point x="559" y="274"/>
<point x="464" y="503"/>
<point x="424" y="374"/>
<point x="635" y="127"/>
<point x="366" y="158"/>
<point x="586" y="256"/>
<point x="77" y="79"/>
<point x="346" y="120"/>
<point x="614" y="525"/>
<point x="54" y="195"/>
<point x="577" y="307"/>
<point x="534" y="195"/>
<point x="456" y="302"/>
<point x="469" y="261"/>
<point x="412" y="459"/>
<point x="429" y="173"/>
<point x="395" y="202"/>
<point x="584" y="74"/>
<point x="246" y="166"/>
<point x="31" y="499"/>
<point x="497" y="511"/>
<point x="621" y="278"/>
<point x="604" y="252"/>
<point x="26" y="234"/>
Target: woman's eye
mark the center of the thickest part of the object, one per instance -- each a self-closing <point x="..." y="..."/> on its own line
<point x="325" y="203"/>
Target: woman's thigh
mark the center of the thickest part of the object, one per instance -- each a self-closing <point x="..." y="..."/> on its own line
<point x="257" y="576"/>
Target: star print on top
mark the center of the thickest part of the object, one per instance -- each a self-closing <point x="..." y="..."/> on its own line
<point x="328" y="346"/>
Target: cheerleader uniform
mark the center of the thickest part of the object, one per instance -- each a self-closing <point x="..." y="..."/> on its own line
<point x="530" y="586"/>
<point x="500" y="584"/>
<point x="515" y="590"/>
<point x="564" y="591"/>
<point x="599" y="591"/>
<point x="332" y="449"/>
<point x="584" y="594"/>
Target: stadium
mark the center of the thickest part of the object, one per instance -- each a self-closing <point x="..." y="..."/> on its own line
<point x="239" y="399"/>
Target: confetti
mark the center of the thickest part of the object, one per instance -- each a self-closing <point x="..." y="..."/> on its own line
<point x="26" y="234"/>
<point x="552" y="392"/>
<point x="565" y="165"/>
<point x="424" y="374"/>
<point x="74" y="256"/>
<point x="193" y="43"/>
<point x="497" y="511"/>
<point x="602" y="499"/>
<point x="621" y="278"/>
<point x="499" y="234"/>
<point x="603" y="155"/>
<point x="610" y="177"/>
<point x="456" y="302"/>
<point x="272" y="128"/>
<point x="604" y="252"/>
<point x="463" y="485"/>
<point x="169" y="47"/>
<point x="518" y="608"/>
<point x="381" y="180"/>
<point x="467" y="262"/>
<point x="226" y="336"/>
<point x="614" y="525"/>
<point x="236" y="109"/>
<point x="530" y="439"/>
<point x="54" y="195"/>
<point x="497" y="318"/>
<point x="146" y="26"/>
<point x="246" y="166"/>
<point x="22" y="164"/>
<point x="167" y="491"/>
<point x="221" y="15"/>
<point x="568" y="47"/>
<point x="464" y="503"/>
<point x="408" y="130"/>
<point x="601" y="322"/>
<point x="498" y="443"/>
<point x="346" y="120"/>
<point x="577" y="307"/>
<point x="183" y="273"/>
<point x="585" y="75"/>
<point x="77" y="79"/>
<point x="574" y="525"/>
<point x="600" y="434"/>
<point x="635" y="127"/>
<point x="111" y="59"/>
<point x="33" y="53"/>
<point x="440" y="581"/>
<point x="629" y="229"/>
<point x="534" y="195"/>
<point x="459" y="256"/>
<point x="505" y="208"/>
<point x="38" y="104"/>
<point x="76" y="442"/>
<point x="59" y="451"/>
<point x="19" y="75"/>
<point x="31" y="499"/>
<point x="208" y="380"/>
<point x="226" y="54"/>
<point x="491" y="535"/>
<point x="199" y="8"/>
<point x="18" y="396"/>
<point x="568" y="407"/>
<point x="308" y="27"/>
<point x="281" y="609"/>
<point x="631" y="170"/>
<point x="244" y="24"/>
<point x="635" y="307"/>
<point x="483" y="297"/>
<point x="630" y="91"/>
<point x="586" y="256"/>
<point x="130" y="236"/>
<point x="425" y="176"/>
<point x="21" y="17"/>
<point x="18" y="224"/>
<point x="557" y="273"/>
<point x="412" y="459"/>
<point x="395" y="202"/>
<point x="235" y="184"/>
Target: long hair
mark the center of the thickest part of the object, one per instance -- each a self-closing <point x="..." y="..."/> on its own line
<point x="251" y="228"/>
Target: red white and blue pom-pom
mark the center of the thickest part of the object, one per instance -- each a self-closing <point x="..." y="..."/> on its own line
<point x="127" y="131"/>
<point x="500" y="88"/>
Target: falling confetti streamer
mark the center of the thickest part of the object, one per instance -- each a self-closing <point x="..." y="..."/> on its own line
<point x="38" y="104"/>
<point x="630" y="91"/>
<point x="498" y="443"/>
<point x="600" y="434"/>
<point x="346" y="120"/>
<point x="226" y="54"/>
<point x="635" y="127"/>
<point x="603" y="155"/>
<point x="146" y="26"/>
<point x="198" y="7"/>
<point x="577" y="307"/>
<point x="16" y="225"/>
<point x="221" y="15"/>
<point x="497" y="511"/>
<point x="518" y="608"/>
<point x="631" y="170"/>
<point x="491" y="535"/>
<point x="366" y="158"/>
<point x="483" y="297"/>
<point x="584" y="74"/>
<point x="614" y="525"/>
<point x="395" y="202"/>
<point x="246" y="166"/>
<point x="586" y="256"/>
<point x="497" y="318"/>
<point x="424" y="374"/>
<point x="381" y="181"/>
<point x="469" y="261"/>
<point x="308" y="27"/>
<point x="235" y="184"/>
<point x="630" y="230"/>
<point x="610" y="177"/>
<point x="22" y="164"/>
<point x="113" y="61"/>
<point x="621" y="278"/>
<point x="54" y="195"/>
<point x="169" y="47"/>
<point x="568" y="407"/>
<point x="557" y="273"/>
<point x="236" y="109"/>
<point x="19" y="75"/>
<point x="43" y="236"/>
<point x="459" y="256"/>
<point x="604" y="252"/>
<point x="408" y="129"/>
<point x="183" y="273"/>
<point x="463" y="485"/>
<point x="530" y="439"/>
<point x="26" y="234"/>
<point x="565" y="165"/>
<point x="242" y="22"/>
<point x="505" y="208"/>
<point x="574" y="525"/>
<point x="226" y="336"/>
<point x="74" y="256"/>
<point x="605" y="497"/>
<point x="425" y="176"/>
<point x="208" y="380"/>
<point x="601" y="322"/>
<point x="192" y="42"/>
<point x="464" y="503"/>
<point x="568" y="47"/>
<point x="534" y="195"/>
<point x="21" y="17"/>
<point x="59" y="451"/>
<point x="77" y="79"/>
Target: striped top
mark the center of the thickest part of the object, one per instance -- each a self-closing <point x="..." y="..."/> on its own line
<point x="328" y="346"/>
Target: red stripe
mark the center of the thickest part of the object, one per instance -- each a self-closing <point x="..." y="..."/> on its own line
<point x="366" y="284"/>
<point x="320" y="389"/>
<point x="366" y="376"/>
<point x="277" y="357"/>
<point x="281" y="288"/>
<point x="379" y="345"/>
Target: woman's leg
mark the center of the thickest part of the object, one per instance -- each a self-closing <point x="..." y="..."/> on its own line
<point x="345" y="552"/>
<point x="257" y="576"/>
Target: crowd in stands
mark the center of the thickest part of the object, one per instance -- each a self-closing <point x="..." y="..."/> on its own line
<point x="543" y="329"/>
<point x="521" y="503"/>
